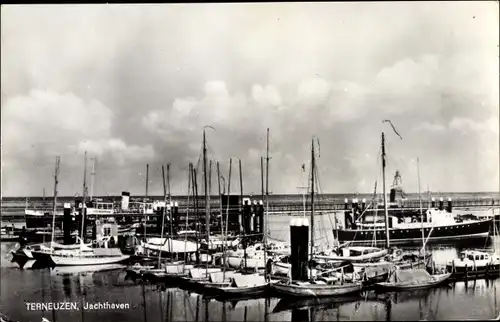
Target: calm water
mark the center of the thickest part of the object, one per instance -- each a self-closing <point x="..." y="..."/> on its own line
<point x="474" y="300"/>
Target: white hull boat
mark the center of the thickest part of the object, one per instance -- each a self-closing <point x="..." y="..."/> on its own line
<point x="355" y="254"/>
<point x="93" y="258"/>
<point x="163" y="244"/>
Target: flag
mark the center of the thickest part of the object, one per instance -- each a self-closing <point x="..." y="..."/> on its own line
<point x="389" y="121"/>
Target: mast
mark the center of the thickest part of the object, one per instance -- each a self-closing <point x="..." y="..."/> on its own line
<point x="168" y="185"/>
<point x="92" y="176"/>
<point x="386" y="211"/>
<point x="313" y="166"/>
<point x="147" y="179"/>
<point x="207" y="200"/>
<point x="195" y="183"/>
<point x="419" y="194"/>
<point x="242" y="215"/>
<point x="56" y="174"/>
<point x="264" y="224"/>
<point x="163" y="212"/>
<point x="187" y="215"/>
<point x="170" y="215"/>
<point x="227" y="223"/>
<point x="262" y="177"/>
<point x="144" y="209"/>
<point x="220" y="198"/>
<point x="421" y="213"/>
<point x="84" y="208"/>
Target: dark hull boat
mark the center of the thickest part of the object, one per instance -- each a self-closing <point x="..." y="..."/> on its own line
<point x="478" y="229"/>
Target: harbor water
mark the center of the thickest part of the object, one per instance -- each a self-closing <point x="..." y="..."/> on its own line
<point x="79" y="289"/>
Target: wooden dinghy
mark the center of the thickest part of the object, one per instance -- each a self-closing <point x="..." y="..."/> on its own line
<point x="197" y="278"/>
<point x="245" y="285"/>
<point x="412" y="279"/>
<point x="318" y="288"/>
<point x="169" y="272"/>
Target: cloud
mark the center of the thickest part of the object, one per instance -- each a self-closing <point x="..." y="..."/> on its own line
<point x="44" y="124"/>
<point x="137" y="85"/>
<point x="431" y="127"/>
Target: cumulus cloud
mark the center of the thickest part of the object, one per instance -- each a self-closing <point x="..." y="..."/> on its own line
<point x="44" y="124"/>
<point x="137" y="84"/>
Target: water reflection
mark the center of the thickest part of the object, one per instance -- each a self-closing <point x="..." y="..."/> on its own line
<point x="152" y="303"/>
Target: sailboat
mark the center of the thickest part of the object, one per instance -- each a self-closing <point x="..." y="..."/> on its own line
<point x="399" y="278"/>
<point x="84" y="255"/>
<point x="251" y="284"/>
<point x="201" y="278"/>
<point x="171" y="269"/>
<point x="326" y="286"/>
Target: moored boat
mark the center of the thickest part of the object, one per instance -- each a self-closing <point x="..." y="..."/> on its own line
<point x="98" y="256"/>
<point x="412" y="279"/>
<point x="439" y="225"/>
<point x="474" y="263"/>
<point x="354" y="254"/>
<point x="316" y="288"/>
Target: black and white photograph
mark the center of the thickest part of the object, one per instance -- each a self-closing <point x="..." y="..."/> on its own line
<point x="260" y="161"/>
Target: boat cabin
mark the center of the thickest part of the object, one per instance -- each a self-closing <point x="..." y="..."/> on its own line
<point x="472" y="255"/>
<point x="106" y="233"/>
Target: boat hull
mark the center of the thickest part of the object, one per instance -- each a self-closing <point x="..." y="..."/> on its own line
<point x="59" y="260"/>
<point x="313" y="290"/>
<point x="458" y="272"/>
<point x="356" y="259"/>
<point x="389" y="286"/>
<point x="403" y="236"/>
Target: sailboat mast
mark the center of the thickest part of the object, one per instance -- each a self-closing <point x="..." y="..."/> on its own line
<point x="163" y="212"/>
<point x="197" y="214"/>
<point x="144" y="206"/>
<point x="224" y="253"/>
<point x="92" y="176"/>
<point x="220" y="199"/>
<point x="262" y="177"/>
<point x="147" y="179"/>
<point x="264" y="224"/>
<point x="421" y="213"/>
<point x="170" y="215"/>
<point x="56" y="173"/>
<point x="84" y="208"/>
<point x="386" y="211"/>
<point x="207" y="203"/>
<point x="168" y="185"/>
<point x="242" y="215"/>
<point x="187" y="216"/>
<point x="419" y="193"/>
<point x="313" y="166"/>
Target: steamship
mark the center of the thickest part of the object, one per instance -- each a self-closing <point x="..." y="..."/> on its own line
<point x="438" y="224"/>
<point x="408" y="226"/>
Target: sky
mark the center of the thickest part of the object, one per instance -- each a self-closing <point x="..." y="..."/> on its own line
<point x="137" y="84"/>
